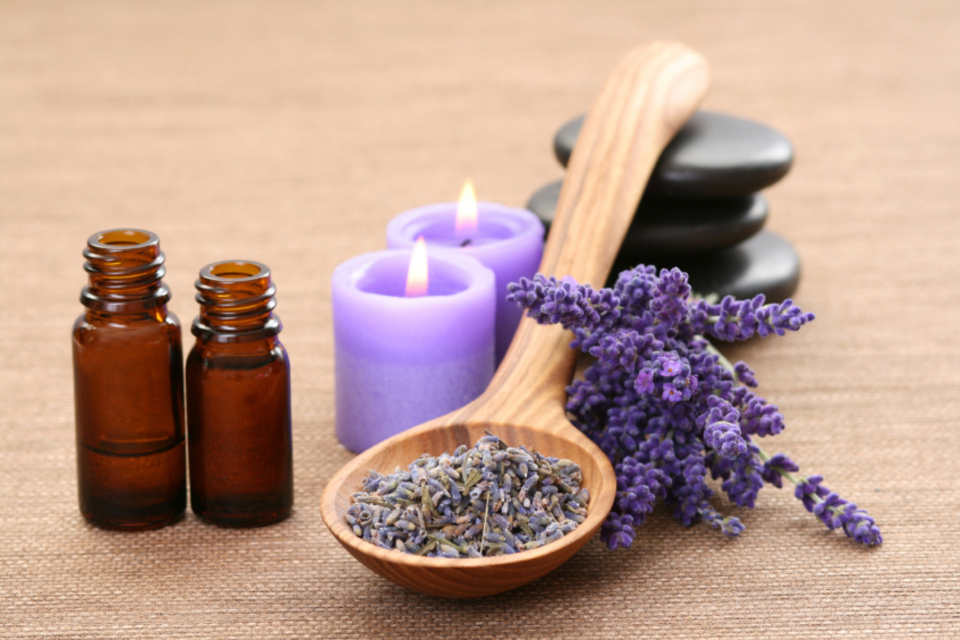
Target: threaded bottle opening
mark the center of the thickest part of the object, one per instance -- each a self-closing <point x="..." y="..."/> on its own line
<point x="123" y="237"/>
<point x="234" y="270"/>
<point x="124" y="266"/>
<point x="235" y="296"/>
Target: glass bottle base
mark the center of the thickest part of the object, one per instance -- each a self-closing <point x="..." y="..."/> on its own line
<point x="228" y="513"/>
<point x="132" y="493"/>
<point x="145" y="524"/>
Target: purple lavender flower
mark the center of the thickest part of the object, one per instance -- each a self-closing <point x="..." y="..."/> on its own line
<point x="756" y="416"/>
<point x="564" y="302"/>
<point x="742" y="319"/>
<point x="835" y="512"/>
<point x="744" y="482"/>
<point x="725" y="438"/>
<point x="776" y="467"/>
<point x="623" y="349"/>
<point x="667" y="376"/>
<point x="692" y="495"/>
<point x="617" y="531"/>
<point x="672" y="367"/>
<point x="745" y="374"/>
<point x="809" y="491"/>
<point x="721" y="429"/>
<point x="664" y="405"/>
<point x="636" y="289"/>
<point x="861" y="527"/>
<point x="639" y="486"/>
<point x="730" y="526"/>
<point x="644" y="382"/>
<point x="669" y="303"/>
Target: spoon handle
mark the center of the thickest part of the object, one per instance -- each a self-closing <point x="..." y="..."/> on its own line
<point x="648" y="97"/>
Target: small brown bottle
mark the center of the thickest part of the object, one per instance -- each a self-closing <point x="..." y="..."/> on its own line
<point x="238" y="400"/>
<point x="128" y="387"/>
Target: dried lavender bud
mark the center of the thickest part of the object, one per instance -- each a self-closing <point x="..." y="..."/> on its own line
<point x="666" y="407"/>
<point x="485" y="501"/>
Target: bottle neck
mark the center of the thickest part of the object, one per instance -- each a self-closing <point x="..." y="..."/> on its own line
<point x="130" y="313"/>
<point x="125" y="271"/>
<point x="236" y="302"/>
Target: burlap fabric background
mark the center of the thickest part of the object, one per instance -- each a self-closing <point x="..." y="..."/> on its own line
<point x="291" y="133"/>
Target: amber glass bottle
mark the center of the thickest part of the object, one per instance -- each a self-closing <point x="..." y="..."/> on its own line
<point x="128" y="387"/>
<point x="238" y="400"/>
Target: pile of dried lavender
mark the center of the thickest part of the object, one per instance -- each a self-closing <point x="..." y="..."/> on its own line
<point x="486" y="501"/>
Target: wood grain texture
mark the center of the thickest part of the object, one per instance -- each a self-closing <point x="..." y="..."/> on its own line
<point x="649" y="95"/>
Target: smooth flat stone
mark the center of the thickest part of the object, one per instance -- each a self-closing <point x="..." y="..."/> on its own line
<point x="670" y="227"/>
<point x="714" y="155"/>
<point x="766" y="263"/>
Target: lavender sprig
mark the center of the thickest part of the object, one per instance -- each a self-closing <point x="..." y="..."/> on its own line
<point x="742" y="319"/>
<point x="667" y="408"/>
<point x="833" y="511"/>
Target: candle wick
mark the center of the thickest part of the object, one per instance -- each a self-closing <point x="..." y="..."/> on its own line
<point x="465" y="242"/>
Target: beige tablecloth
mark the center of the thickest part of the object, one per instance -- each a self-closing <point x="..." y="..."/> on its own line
<point x="291" y="132"/>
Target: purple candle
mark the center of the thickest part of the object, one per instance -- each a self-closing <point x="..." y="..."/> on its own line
<point x="408" y="351"/>
<point x="509" y="241"/>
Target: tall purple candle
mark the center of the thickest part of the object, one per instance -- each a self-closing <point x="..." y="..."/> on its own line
<point x="401" y="360"/>
<point x="508" y="240"/>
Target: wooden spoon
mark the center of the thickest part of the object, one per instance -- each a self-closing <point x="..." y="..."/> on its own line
<point x="646" y="99"/>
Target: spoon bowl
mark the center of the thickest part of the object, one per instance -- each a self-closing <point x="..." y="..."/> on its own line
<point x="646" y="99"/>
<point x="471" y="577"/>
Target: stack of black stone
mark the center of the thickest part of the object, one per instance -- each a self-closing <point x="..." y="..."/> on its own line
<point x="702" y="210"/>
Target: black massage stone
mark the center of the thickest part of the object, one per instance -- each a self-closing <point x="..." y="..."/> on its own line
<point x="668" y="227"/>
<point x="766" y="263"/>
<point x="713" y="156"/>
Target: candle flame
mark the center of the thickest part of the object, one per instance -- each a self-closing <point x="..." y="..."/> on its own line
<point x="417" y="274"/>
<point x="467" y="209"/>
